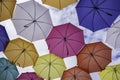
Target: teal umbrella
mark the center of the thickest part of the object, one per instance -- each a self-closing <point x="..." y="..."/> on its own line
<point x="8" y="71"/>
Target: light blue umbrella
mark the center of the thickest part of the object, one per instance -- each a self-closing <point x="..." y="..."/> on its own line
<point x="8" y="71"/>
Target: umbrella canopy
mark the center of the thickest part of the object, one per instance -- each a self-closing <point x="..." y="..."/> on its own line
<point x="8" y="71"/>
<point x="94" y="57"/>
<point x="97" y="14"/>
<point x="113" y="35"/>
<point x="111" y="73"/>
<point x="4" y="39"/>
<point x="65" y="40"/>
<point x="6" y="9"/>
<point x="32" y="20"/>
<point x="75" y="73"/>
<point x="21" y="52"/>
<point x="49" y="66"/>
<point x="60" y="4"/>
<point x="29" y="76"/>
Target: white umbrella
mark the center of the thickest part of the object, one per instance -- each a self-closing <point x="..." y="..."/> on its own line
<point x="113" y="35"/>
<point x="32" y="20"/>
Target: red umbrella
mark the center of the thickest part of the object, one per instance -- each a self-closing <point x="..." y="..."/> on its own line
<point x="65" y="40"/>
<point x="94" y="57"/>
<point x="75" y="74"/>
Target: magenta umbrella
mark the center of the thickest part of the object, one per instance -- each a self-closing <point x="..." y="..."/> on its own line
<point x="29" y="76"/>
<point x="65" y="40"/>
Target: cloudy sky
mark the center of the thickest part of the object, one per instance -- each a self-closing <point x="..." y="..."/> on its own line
<point x="65" y="15"/>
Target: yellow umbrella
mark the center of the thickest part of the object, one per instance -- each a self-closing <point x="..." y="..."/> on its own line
<point x="21" y="52"/>
<point x="58" y="3"/>
<point x="49" y="66"/>
<point x="6" y="9"/>
<point x="111" y="73"/>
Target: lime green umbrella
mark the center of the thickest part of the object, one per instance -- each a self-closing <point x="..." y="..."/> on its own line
<point x="111" y="73"/>
<point x="49" y="66"/>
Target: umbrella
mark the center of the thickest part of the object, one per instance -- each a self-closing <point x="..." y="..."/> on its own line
<point x="49" y="66"/>
<point x="60" y="4"/>
<point x="111" y="73"/>
<point x="94" y="57"/>
<point x="4" y="39"/>
<point x="113" y="35"/>
<point x="32" y="20"/>
<point x="97" y="14"/>
<point x="21" y="52"/>
<point x="75" y="74"/>
<point x="65" y="40"/>
<point x="6" y="9"/>
<point x="8" y="71"/>
<point x="29" y="76"/>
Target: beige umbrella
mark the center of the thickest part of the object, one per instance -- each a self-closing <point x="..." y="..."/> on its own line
<point x="6" y="9"/>
<point x="21" y="52"/>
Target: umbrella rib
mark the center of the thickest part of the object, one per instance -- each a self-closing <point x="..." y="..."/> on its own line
<point x="97" y="62"/>
<point x="13" y="50"/>
<point x="53" y="38"/>
<point x="11" y="74"/>
<point x="101" y="50"/>
<point x="25" y="11"/>
<point x="59" y="65"/>
<point x="92" y="2"/>
<point x="116" y="75"/>
<point x="54" y="60"/>
<point x="102" y="2"/>
<point x="109" y="14"/>
<point x="86" y="15"/>
<point x="68" y="25"/>
<point x="23" y="19"/>
<point x="103" y="18"/>
<point x="34" y="9"/>
<point x="44" y="22"/>
<point x="30" y="57"/>
<point x="83" y="60"/>
<point x="109" y="9"/>
<point x="59" y="32"/>
<point x="7" y="9"/>
<point x="43" y="69"/>
<point x="93" y="20"/>
<point x="103" y="57"/>
<point x="67" y="49"/>
<point x="45" y="60"/>
<point x="41" y="30"/>
<point x="56" y="69"/>
<point x="1" y="9"/>
<point x="56" y="45"/>
<point x="84" y="7"/>
<point x="15" y="44"/>
<point x="76" y="41"/>
<point x="73" y="33"/>
<point x="89" y="64"/>
<point x="33" y="32"/>
<point x="60" y="4"/>
<point x="24" y="60"/>
<point x="71" y="47"/>
<point x="42" y="14"/>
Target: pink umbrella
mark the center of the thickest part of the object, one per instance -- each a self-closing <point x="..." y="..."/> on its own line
<point x="65" y="40"/>
<point x="29" y="76"/>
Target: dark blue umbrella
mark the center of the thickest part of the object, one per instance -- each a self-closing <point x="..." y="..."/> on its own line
<point x="8" y="71"/>
<point x="97" y="14"/>
<point x="3" y="38"/>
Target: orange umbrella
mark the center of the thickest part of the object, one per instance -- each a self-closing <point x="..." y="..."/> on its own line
<point x="21" y="52"/>
<point x="6" y="9"/>
<point x="75" y="74"/>
<point x="94" y="57"/>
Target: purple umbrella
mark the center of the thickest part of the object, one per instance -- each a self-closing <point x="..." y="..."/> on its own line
<point x="3" y="38"/>
<point x="29" y="76"/>
<point x="97" y="14"/>
<point x="65" y="40"/>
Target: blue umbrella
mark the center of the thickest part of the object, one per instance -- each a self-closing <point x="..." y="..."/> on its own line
<point x="97" y="14"/>
<point x="3" y="38"/>
<point x="8" y="71"/>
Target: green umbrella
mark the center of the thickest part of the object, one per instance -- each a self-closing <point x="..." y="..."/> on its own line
<point x="49" y="66"/>
<point x="8" y="71"/>
<point x="111" y="73"/>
